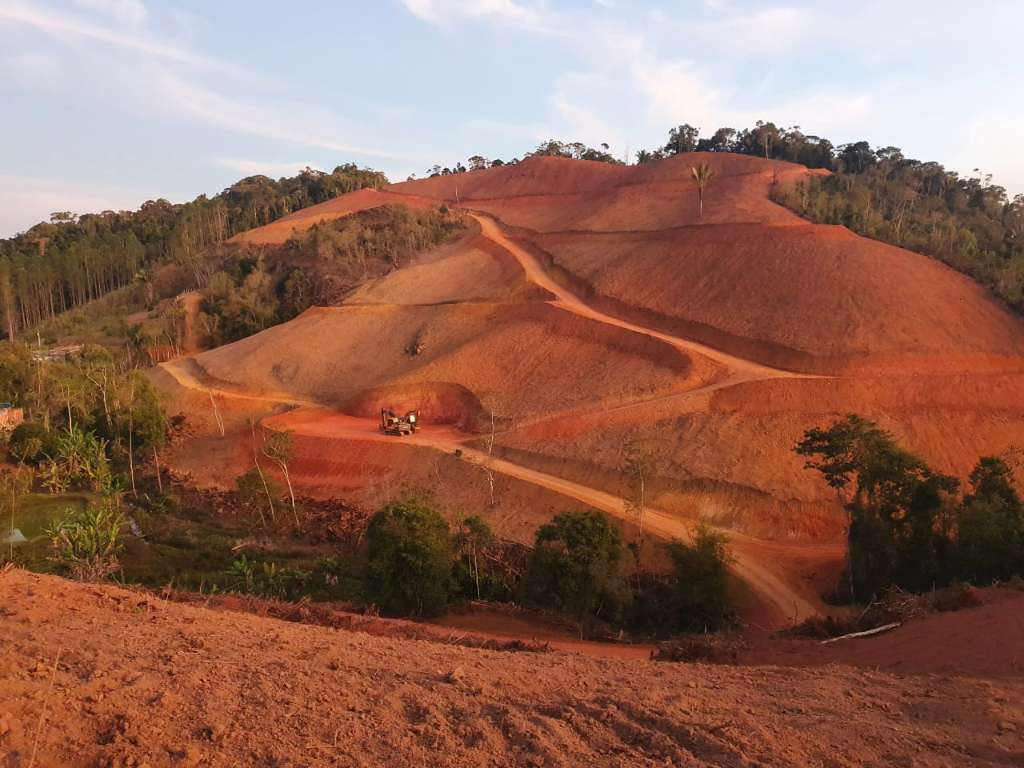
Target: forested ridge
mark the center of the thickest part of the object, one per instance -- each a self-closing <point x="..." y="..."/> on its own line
<point x="70" y="260"/>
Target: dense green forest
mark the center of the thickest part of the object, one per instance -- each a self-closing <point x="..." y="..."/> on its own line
<point x="71" y="260"/>
<point x="88" y="419"/>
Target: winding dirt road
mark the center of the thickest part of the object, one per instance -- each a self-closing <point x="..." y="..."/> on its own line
<point x="317" y="420"/>
<point x="740" y="369"/>
<point x="787" y="604"/>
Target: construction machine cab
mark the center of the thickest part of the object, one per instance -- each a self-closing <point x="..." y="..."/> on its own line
<point x="393" y="424"/>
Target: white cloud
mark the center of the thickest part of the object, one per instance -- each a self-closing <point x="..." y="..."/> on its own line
<point x="130" y="12"/>
<point x="292" y="124"/>
<point x="262" y="167"/>
<point x="535" y="17"/>
<point x="61" y="26"/>
<point x="27" y="200"/>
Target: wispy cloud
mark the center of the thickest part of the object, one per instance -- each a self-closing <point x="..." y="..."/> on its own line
<point x="164" y="79"/>
<point x="531" y="16"/>
<point x="262" y="167"/>
<point x="292" y="126"/>
<point x="62" y="26"/>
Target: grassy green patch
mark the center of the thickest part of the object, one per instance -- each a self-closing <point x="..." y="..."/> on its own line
<point x="102" y="321"/>
<point x="35" y="512"/>
<point x="193" y="548"/>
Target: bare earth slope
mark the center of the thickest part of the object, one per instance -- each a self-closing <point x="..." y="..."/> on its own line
<point x="96" y="675"/>
<point x="594" y="309"/>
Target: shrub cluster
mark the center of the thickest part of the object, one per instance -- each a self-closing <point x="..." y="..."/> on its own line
<point x="908" y="524"/>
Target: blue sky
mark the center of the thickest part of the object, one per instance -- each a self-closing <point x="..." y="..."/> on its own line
<point x="107" y="103"/>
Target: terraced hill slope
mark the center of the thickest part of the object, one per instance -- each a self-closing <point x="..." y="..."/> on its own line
<point x="594" y="309"/>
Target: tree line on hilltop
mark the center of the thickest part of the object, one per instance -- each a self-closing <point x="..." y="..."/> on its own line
<point x="61" y="264"/>
<point x="966" y="221"/>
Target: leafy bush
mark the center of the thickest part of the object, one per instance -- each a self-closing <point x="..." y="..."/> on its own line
<point x="31" y="443"/>
<point x="485" y="569"/>
<point x="699" y="600"/>
<point x="267" y="579"/>
<point x="409" y="571"/>
<point x="260" y="494"/>
<point x="579" y="565"/>
<point x="87" y="543"/>
<point x="906" y="528"/>
<point x="991" y="525"/>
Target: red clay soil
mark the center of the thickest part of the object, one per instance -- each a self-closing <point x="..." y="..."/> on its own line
<point x="595" y="310"/>
<point x="787" y="292"/>
<point x="500" y="352"/>
<point x="987" y="641"/>
<point x="96" y="675"/>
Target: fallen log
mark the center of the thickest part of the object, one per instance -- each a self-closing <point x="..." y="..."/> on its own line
<point x="865" y="633"/>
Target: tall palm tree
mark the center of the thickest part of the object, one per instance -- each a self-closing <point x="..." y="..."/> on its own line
<point x="702" y="174"/>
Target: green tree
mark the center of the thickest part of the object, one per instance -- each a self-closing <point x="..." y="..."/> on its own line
<point x="991" y="525"/>
<point x="31" y="443"/>
<point x="700" y="571"/>
<point x="579" y="565"/>
<point x="297" y="295"/>
<point x="682" y="139"/>
<point x="895" y="503"/>
<point x="409" y="570"/>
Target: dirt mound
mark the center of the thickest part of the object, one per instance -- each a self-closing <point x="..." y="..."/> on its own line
<point x="96" y="675"/>
<point x="437" y="403"/>
<point x="473" y="271"/>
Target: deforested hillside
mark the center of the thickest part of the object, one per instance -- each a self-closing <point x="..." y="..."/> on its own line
<point x="592" y="311"/>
